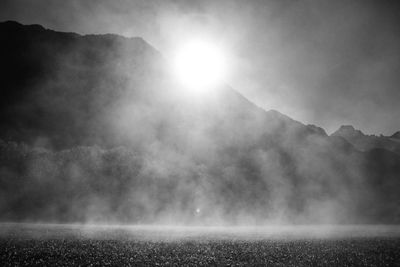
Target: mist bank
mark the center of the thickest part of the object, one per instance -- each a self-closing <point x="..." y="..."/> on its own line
<point x="95" y="130"/>
<point x="95" y="185"/>
<point x="174" y="233"/>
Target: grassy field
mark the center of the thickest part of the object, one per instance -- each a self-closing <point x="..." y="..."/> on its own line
<point x="66" y="245"/>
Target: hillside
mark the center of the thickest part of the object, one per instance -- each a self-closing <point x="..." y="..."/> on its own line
<point x="95" y="130"/>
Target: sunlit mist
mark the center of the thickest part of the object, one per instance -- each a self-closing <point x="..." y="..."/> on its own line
<point x="199" y="133"/>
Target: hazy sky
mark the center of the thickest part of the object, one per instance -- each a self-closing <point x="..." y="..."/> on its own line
<point x="323" y="62"/>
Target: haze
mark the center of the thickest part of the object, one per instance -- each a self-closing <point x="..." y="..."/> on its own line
<point x="96" y="130"/>
<point x="327" y="63"/>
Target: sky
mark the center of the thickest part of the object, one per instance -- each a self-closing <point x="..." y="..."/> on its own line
<point x="327" y="63"/>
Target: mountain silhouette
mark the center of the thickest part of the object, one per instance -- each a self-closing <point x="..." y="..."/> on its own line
<point x="365" y="142"/>
<point x="396" y="135"/>
<point x="95" y="129"/>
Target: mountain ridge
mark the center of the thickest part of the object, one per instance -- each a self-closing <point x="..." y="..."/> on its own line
<point x="365" y="142"/>
<point x="121" y="141"/>
<point x="109" y="35"/>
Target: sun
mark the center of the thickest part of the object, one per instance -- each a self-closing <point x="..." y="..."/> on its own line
<point x="200" y="65"/>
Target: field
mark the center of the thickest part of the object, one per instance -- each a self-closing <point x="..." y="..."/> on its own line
<point x="67" y="245"/>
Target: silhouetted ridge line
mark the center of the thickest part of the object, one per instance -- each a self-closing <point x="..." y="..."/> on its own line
<point x="94" y="129"/>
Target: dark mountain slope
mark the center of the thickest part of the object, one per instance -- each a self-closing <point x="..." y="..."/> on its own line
<point x="95" y="129"/>
<point x="59" y="86"/>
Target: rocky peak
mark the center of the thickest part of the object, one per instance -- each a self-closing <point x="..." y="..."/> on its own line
<point x="396" y="135"/>
<point x="348" y="131"/>
<point x="317" y="130"/>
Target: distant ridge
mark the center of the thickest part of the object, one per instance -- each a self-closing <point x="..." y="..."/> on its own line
<point x="396" y="135"/>
<point x="348" y="131"/>
<point x="93" y="129"/>
<point x="365" y="142"/>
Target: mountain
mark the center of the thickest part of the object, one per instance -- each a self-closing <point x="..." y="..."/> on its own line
<point x="95" y="129"/>
<point x="57" y="88"/>
<point x="396" y="135"/>
<point x="365" y="142"/>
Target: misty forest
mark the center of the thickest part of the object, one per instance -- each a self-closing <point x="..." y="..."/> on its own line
<point x="94" y="129"/>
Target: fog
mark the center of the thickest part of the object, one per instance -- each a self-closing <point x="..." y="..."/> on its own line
<point x="97" y="131"/>
<point x="163" y="233"/>
<point x="326" y="63"/>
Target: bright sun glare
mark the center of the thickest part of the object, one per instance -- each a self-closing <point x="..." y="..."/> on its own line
<point x="200" y="65"/>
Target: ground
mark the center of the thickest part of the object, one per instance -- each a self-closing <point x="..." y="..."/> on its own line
<point x="52" y="245"/>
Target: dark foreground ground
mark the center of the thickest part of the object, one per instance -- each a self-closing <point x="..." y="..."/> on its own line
<point x="66" y="245"/>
